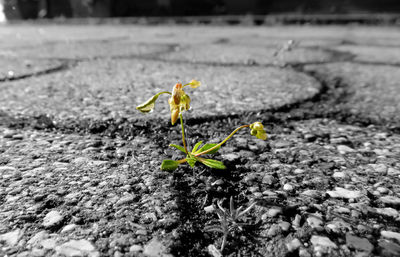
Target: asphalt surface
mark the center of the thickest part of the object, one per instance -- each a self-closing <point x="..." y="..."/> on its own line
<point x="67" y="110"/>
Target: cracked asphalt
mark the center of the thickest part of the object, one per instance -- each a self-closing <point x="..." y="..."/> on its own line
<point x="79" y="165"/>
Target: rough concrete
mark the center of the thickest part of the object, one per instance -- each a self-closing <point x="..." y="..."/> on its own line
<point x="79" y="166"/>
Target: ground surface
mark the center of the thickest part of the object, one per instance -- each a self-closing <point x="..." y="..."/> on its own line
<point x="79" y="166"/>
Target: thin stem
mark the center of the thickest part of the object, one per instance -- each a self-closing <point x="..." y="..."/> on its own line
<point x="183" y="133"/>
<point x="223" y="142"/>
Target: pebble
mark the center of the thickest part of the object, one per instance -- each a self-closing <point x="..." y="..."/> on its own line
<point x="357" y="243"/>
<point x="388" y="249"/>
<point x="284" y="225"/>
<point x="390" y="200"/>
<point x="37" y="238"/>
<point x="344" y="149"/>
<point x="288" y="187"/>
<point x="154" y="248"/>
<point x="135" y="248"/>
<point x="213" y="251"/>
<point x="209" y="209"/>
<point x="68" y="228"/>
<point x="339" y="174"/>
<point x="273" y="230"/>
<point x="269" y="180"/>
<point x="322" y="244"/>
<point x="311" y="193"/>
<point x="344" y="193"/>
<point x="388" y="211"/>
<point x="11" y="238"/>
<point x="49" y="243"/>
<point x="391" y="235"/>
<point x="274" y="211"/>
<point x="231" y="157"/>
<point x="52" y="218"/>
<point x="293" y="245"/>
<point x="76" y="248"/>
<point x="316" y="223"/>
<point x="380" y="169"/>
<point x="126" y="199"/>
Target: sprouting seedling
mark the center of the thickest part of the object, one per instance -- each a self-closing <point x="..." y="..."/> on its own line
<point x="229" y="220"/>
<point x="179" y="102"/>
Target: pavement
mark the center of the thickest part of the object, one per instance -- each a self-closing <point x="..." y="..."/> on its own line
<point x="79" y="164"/>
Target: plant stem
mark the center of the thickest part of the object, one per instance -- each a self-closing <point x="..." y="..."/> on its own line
<point x="183" y="133"/>
<point x="223" y="142"/>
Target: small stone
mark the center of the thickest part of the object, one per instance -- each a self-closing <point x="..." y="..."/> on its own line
<point x="126" y="199"/>
<point x="382" y="190"/>
<point x="154" y="248"/>
<point x="380" y="169"/>
<point x="231" y="157"/>
<point x="388" y="249"/>
<point x="213" y="251"/>
<point x="393" y="172"/>
<point x="274" y="211"/>
<point x="49" y="243"/>
<point x="68" y="228"/>
<point x="344" y="193"/>
<point x="342" y="210"/>
<point x="11" y="238"/>
<point x="322" y="244"/>
<point x="75" y="248"/>
<point x="316" y="223"/>
<point x="390" y="212"/>
<point x="293" y="245"/>
<point x="357" y="243"/>
<point x="52" y="218"/>
<point x="343" y="149"/>
<point x="135" y="248"/>
<point x="273" y="230"/>
<point x="311" y="193"/>
<point x="37" y="238"/>
<point x="298" y="171"/>
<point x="390" y="200"/>
<point x="18" y="137"/>
<point x="288" y="187"/>
<point x="339" y="175"/>
<point x="284" y="225"/>
<point x="391" y="235"/>
<point x="209" y="209"/>
<point x="269" y="180"/>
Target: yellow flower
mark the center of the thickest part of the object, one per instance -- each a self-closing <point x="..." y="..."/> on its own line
<point x="178" y="102"/>
<point x="257" y="129"/>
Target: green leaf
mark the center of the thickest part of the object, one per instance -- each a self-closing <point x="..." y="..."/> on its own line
<point x="208" y="146"/>
<point x="191" y="160"/>
<point x="196" y="146"/>
<point x="148" y="106"/>
<point x="169" y="165"/>
<point x="178" y="147"/>
<point x="212" y="163"/>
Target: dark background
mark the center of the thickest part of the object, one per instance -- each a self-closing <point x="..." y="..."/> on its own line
<point x="32" y="9"/>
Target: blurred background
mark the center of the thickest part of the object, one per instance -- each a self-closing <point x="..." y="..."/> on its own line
<point x="34" y="9"/>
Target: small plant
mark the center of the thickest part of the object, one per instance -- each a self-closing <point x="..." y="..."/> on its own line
<point x="229" y="220"/>
<point x="180" y="102"/>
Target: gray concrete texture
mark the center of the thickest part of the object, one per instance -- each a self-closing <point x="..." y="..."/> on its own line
<point x="97" y="72"/>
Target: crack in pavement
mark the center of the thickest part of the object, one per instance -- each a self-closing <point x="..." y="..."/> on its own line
<point x="320" y="105"/>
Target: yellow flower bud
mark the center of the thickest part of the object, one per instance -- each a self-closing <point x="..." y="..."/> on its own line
<point x="194" y="83"/>
<point x="257" y="129"/>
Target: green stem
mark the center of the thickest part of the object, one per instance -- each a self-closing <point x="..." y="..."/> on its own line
<point x="183" y="133"/>
<point x="223" y="142"/>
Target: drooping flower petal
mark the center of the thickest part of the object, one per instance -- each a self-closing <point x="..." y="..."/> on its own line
<point x="148" y="106"/>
